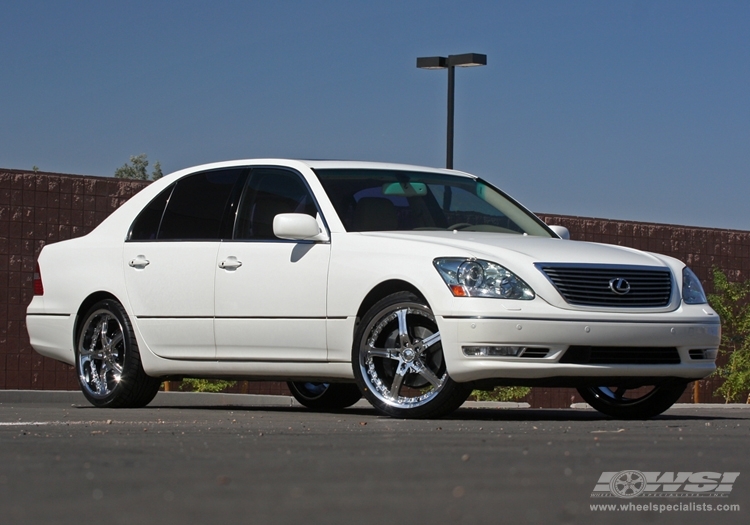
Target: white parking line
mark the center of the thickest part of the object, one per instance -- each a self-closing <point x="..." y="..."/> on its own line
<point x="27" y="423"/>
<point x="61" y="423"/>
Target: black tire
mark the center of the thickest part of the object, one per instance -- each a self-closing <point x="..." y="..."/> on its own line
<point x="398" y="363"/>
<point x="108" y="362"/>
<point x="614" y="402"/>
<point x="325" y="396"/>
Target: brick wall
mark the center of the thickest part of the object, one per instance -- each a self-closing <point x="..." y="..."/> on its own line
<point x="39" y="208"/>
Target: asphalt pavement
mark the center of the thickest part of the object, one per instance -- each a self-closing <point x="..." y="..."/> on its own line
<point x="213" y="458"/>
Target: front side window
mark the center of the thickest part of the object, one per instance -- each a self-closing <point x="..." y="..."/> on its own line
<point x="389" y="200"/>
<point x="269" y="192"/>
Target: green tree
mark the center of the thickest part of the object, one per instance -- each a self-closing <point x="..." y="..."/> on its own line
<point x="732" y="302"/>
<point x="157" y="174"/>
<point x="137" y="169"/>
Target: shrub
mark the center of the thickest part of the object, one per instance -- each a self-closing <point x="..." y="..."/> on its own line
<point x="502" y="393"/>
<point x="206" y="385"/>
<point x="732" y="302"/>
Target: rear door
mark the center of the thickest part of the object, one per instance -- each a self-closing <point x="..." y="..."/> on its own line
<point x="170" y="261"/>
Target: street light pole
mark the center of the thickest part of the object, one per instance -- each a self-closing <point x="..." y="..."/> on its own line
<point x="451" y="105"/>
<point x="450" y="62"/>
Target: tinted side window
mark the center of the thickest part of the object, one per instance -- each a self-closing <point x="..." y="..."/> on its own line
<point x="146" y="225"/>
<point x="270" y="191"/>
<point x="197" y="205"/>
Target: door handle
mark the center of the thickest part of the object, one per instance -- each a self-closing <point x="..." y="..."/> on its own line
<point x="140" y="262"/>
<point x="231" y="263"/>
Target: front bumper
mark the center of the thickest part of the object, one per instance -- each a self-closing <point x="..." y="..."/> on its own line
<point x="559" y="334"/>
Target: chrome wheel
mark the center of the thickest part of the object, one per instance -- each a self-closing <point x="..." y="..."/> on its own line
<point x="325" y="396"/>
<point x="101" y="353"/>
<point x="628" y="403"/>
<point x="396" y="358"/>
<point x="108" y="361"/>
<point x="399" y="360"/>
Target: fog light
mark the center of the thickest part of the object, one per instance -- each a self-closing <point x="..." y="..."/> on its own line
<point x="473" y="351"/>
<point x="708" y="354"/>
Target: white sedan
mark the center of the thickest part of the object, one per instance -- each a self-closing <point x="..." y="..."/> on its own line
<point x="411" y="286"/>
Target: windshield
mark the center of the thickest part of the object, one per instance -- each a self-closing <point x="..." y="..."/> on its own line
<point x="389" y="200"/>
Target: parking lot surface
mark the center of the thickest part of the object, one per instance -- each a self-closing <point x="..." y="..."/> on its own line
<point x="188" y="460"/>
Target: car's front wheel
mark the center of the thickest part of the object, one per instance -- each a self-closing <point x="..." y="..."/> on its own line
<point x="398" y="360"/>
<point x="624" y="403"/>
<point x="108" y="362"/>
<point x="325" y="396"/>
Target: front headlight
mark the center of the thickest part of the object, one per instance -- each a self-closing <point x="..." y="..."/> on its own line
<point x="692" y="291"/>
<point x="478" y="278"/>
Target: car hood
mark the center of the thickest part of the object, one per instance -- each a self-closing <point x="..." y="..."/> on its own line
<point x="519" y="253"/>
<point x="535" y="249"/>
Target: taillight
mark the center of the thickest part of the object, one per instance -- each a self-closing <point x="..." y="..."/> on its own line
<point x="38" y="286"/>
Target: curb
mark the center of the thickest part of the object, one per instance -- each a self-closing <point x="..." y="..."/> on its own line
<point x="206" y="399"/>
<point x="195" y="399"/>
<point x="163" y="399"/>
<point x="729" y="406"/>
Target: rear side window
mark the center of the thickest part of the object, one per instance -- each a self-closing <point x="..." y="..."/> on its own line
<point x="197" y="206"/>
<point x="146" y="225"/>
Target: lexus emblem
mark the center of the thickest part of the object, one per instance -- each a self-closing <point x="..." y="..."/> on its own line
<point x="619" y="286"/>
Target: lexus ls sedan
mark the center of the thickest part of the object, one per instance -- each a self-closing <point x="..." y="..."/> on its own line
<point x="409" y="286"/>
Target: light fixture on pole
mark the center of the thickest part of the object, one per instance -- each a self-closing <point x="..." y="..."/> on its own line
<point x="450" y="62"/>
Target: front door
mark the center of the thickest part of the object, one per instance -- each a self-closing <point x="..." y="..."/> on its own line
<point x="271" y="293"/>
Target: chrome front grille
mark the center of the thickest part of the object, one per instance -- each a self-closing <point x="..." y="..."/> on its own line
<point x="611" y="286"/>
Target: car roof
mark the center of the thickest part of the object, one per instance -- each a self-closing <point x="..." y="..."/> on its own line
<point x="324" y="164"/>
<point x="347" y="164"/>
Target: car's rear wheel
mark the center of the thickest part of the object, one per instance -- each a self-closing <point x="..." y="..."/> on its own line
<point x="623" y="403"/>
<point x="325" y="396"/>
<point x="398" y="360"/>
<point x="108" y="362"/>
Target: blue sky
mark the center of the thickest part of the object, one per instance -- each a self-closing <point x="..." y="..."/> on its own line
<point x="625" y="109"/>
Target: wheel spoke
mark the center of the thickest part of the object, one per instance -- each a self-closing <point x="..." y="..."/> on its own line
<point x="103" y="328"/>
<point x="429" y="375"/>
<point x="115" y="340"/>
<point x="398" y="379"/>
<point x="385" y="353"/>
<point x="113" y="365"/>
<point x="620" y="392"/>
<point x="403" y="328"/>
<point x="429" y="341"/>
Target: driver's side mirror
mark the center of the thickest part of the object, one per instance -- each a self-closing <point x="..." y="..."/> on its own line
<point x="297" y="227"/>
